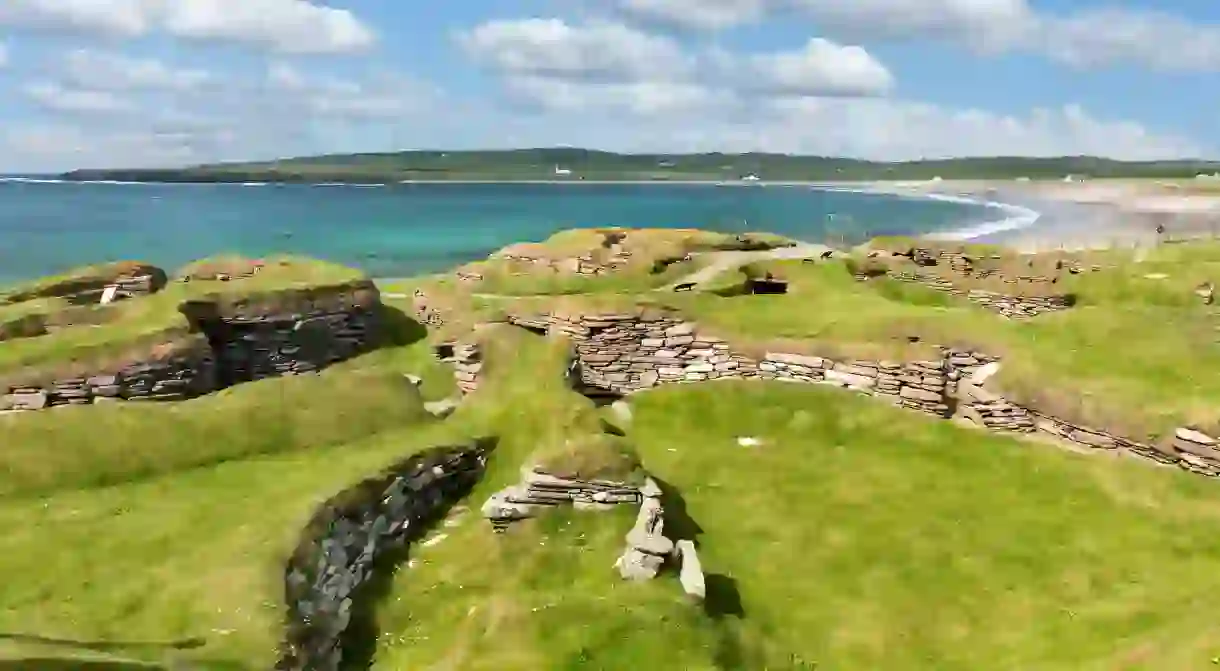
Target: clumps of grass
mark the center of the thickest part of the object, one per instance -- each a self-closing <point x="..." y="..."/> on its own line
<point x="94" y="445"/>
<point x="591" y="456"/>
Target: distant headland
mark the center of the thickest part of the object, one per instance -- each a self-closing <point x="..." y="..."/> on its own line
<point x="575" y="165"/>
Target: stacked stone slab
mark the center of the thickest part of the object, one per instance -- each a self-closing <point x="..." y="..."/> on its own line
<point x="1007" y="305"/>
<point x="647" y="547"/>
<point x="539" y="490"/>
<point x="183" y="376"/>
<point x="643" y="347"/>
<point x="349" y="533"/>
<point x="237" y="349"/>
<point x="467" y="361"/>
<point x="628" y="352"/>
<point x="1197" y="451"/>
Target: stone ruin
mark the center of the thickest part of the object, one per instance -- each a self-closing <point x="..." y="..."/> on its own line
<point x="625" y="353"/>
<point x="342" y="544"/>
<point x="538" y="490"/>
<point x="244" y="344"/>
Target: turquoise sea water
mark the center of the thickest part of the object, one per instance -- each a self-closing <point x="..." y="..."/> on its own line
<point x="410" y="229"/>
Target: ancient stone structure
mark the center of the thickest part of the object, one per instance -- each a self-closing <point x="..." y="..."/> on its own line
<point x="467" y="361"/>
<point x="1011" y="306"/>
<point x="626" y="353"/>
<point x="241" y="346"/>
<point x="539" y="489"/>
<point x="349" y="533"/>
<point x="647" y="546"/>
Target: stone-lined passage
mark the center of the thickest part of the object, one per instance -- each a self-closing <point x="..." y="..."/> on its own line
<point x="539" y="489"/>
<point x="350" y="532"/>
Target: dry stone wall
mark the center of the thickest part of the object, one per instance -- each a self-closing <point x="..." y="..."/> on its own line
<point x="347" y="535"/>
<point x="233" y="350"/>
<point x="539" y="489"/>
<point x="630" y="352"/>
<point x="1007" y="305"/>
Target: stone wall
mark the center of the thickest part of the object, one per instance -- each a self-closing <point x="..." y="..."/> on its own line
<point x="539" y="489"/>
<point x="467" y="362"/>
<point x="345" y="538"/>
<point x="625" y="353"/>
<point x="231" y="350"/>
<point x="1008" y="305"/>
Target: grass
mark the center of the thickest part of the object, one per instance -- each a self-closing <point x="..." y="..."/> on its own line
<point x="833" y="542"/>
<point x="855" y="554"/>
<point x="1130" y="357"/>
<point x="141" y="325"/>
<point x="656" y="261"/>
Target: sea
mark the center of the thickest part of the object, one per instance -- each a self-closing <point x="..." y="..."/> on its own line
<point x="402" y="230"/>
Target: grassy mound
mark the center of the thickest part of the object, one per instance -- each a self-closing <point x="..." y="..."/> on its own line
<point x="1131" y="356"/>
<point x="829" y="544"/>
<point x="656" y="258"/>
<point x="156" y="325"/>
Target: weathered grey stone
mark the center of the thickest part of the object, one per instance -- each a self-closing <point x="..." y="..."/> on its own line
<point x="691" y="573"/>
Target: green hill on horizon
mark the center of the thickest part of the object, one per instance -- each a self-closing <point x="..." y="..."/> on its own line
<point x="555" y="163"/>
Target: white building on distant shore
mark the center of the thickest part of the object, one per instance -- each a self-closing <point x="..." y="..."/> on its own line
<point x="562" y="172"/>
<point x="750" y="178"/>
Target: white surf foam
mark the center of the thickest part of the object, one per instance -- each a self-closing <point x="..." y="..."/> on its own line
<point x="1019" y="217"/>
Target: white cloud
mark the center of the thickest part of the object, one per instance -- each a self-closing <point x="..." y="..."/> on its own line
<point x="55" y="97"/>
<point x="821" y="68"/>
<point x="642" y="98"/>
<point x="3" y="55"/>
<point x="387" y="96"/>
<point x="551" y="47"/>
<point x="288" y="26"/>
<point x="106" y="71"/>
<point x="1087" y="38"/>
<point x="703" y="14"/>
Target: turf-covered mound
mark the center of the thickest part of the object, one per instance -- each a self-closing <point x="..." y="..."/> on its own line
<point x="824" y="540"/>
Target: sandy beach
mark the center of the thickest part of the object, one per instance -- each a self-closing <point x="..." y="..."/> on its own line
<point x="1088" y="214"/>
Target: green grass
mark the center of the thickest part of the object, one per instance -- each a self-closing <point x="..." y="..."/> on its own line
<point x="1131" y="357"/>
<point x="141" y="324"/>
<point x="845" y="549"/>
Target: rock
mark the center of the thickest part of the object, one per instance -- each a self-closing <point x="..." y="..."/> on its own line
<point x="622" y="411"/>
<point x="980" y="376"/>
<point x="748" y="441"/>
<point x="650" y="490"/>
<point x="442" y="408"/>
<point x="1196" y="437"/>
<point x="691" y="573"/>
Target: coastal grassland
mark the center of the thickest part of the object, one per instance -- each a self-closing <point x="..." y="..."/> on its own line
<point x="1131" y="357"/>
<point x="134" y="526"/>
<point x="859" y="536"/>
<point x="140" y="325"/>
<point x="543" y="595"/>
<point x="103" y="444"/>
<point x="196" y="552"/>
<point x="656" y="260"/>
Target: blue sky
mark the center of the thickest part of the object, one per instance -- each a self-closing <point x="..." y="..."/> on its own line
<point x="171" y="82"/>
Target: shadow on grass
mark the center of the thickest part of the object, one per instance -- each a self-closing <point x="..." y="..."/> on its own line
<point x="400" y="329"/>
<point x="68" y="664"/>
<point x="359" y="641"/>
<point x="722" y="599"/>
<point x="101" y="646"/>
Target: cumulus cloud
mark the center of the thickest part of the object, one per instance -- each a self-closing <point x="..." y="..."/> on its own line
<point x="702" y="14"/>
<point x="1087" y="38"/>
<point x="54" y="97"/>
<point x="821" y="68"/>
<point x="385" y="96"/>
<point x="552" y="47"/>
<point x="553" y="65"/>
<point x="107" y="71"/>
<point x="289" y="26"/>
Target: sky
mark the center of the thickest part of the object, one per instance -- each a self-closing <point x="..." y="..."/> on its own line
<point x="152" y="83"/>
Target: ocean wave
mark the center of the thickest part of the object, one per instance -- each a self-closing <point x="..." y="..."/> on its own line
<point x="1019" y="217"/>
